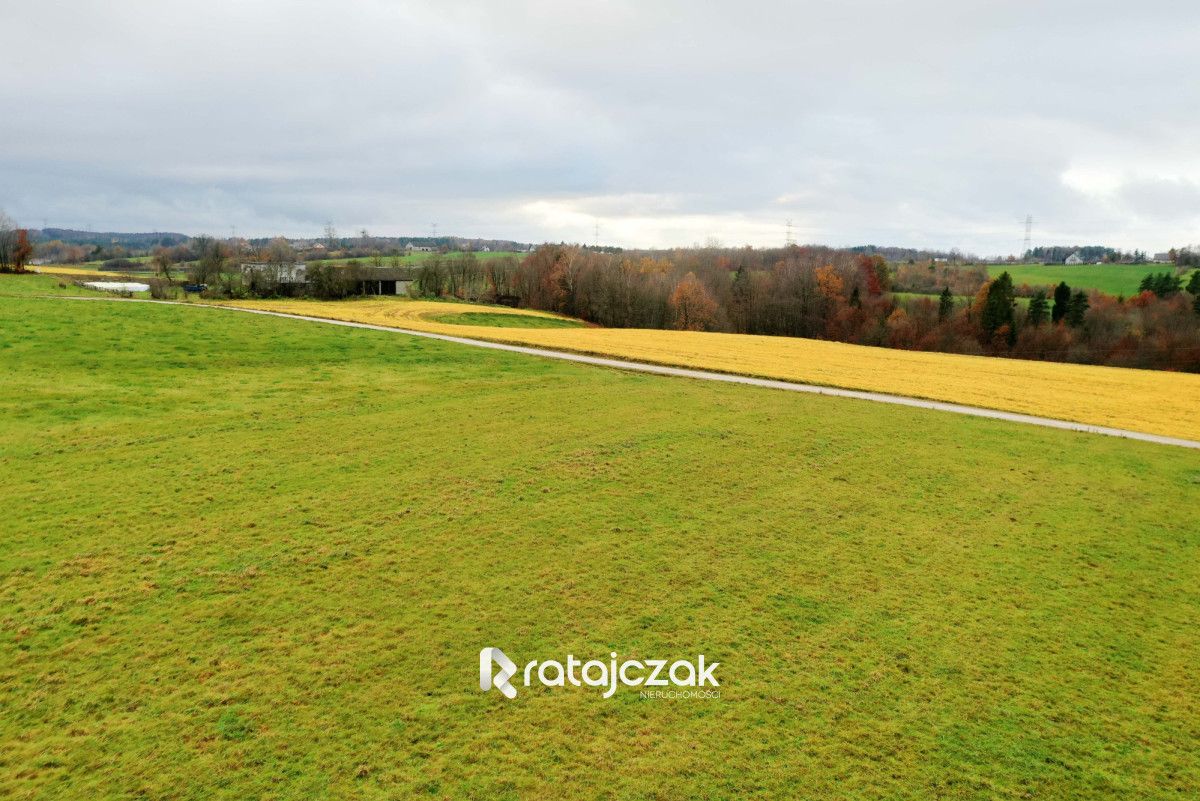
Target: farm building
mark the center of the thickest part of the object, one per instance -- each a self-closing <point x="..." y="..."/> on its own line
<point x="280" y="273"/>
<point x="1074" y="259"/>
<point x="383" y="281"/>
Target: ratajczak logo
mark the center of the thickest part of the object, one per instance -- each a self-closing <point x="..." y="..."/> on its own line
<point x="596" y="673"/>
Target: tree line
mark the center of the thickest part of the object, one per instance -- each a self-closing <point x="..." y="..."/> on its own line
<point x="839" y="295"/>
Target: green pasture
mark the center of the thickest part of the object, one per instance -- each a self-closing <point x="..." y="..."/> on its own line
<point x="251" y="557"/>
<point x="1113" y="279"/>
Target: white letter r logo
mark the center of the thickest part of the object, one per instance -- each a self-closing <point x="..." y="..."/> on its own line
<point x="500" y="681"/>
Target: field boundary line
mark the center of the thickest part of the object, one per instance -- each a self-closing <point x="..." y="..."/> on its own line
<point x="702" y="375"/>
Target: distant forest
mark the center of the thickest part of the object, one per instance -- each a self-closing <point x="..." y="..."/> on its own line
<point x="105" y="238"/>
<point x="1057" y="254"/>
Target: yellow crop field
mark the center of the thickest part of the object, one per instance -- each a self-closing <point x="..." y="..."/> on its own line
<point x="62" y="269"/>
<point x="1140" y="400"/>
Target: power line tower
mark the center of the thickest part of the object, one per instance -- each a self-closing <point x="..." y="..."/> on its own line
<point x="790" y="239"/>
<point x="1028" y="235"/>
<point x="596" y="234"/>
<point x="435" y="230"/>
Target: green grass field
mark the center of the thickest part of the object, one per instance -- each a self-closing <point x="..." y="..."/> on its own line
<point x="34" y="285"/>
<point x="959" y="300"/>
<point x="1113" y="279"/>
<point x="502" y="320"/>
<point x="250" y="557"/>
<point x="31" y="284"/>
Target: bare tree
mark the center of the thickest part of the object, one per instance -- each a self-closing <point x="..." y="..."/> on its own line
<point x="8" y="242"/>
<point x="163" y="261"/>
<point x="210" y="260"/>
<point x="280" y="252"/>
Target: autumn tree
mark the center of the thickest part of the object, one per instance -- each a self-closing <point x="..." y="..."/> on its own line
<point x="15" y="248"/>
<point x="874" y="271"/>
<point x="829" y="283"/>
<point x="692" y="307"/>
<point x="22" y="250"/>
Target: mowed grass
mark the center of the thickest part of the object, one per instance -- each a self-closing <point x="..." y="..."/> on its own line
<point x="1155" y="402"/>
<point x="1113" y="279"/>
<point x="251" y="557"/>
<point x="32" y="284"/>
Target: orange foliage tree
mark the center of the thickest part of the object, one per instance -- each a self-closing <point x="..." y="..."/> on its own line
<point x="692" y="307"/>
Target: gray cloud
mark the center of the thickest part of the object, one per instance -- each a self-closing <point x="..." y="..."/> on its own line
<point x="924" y="122"/>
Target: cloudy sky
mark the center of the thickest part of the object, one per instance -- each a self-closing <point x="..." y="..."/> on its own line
<point x="937" y="123"/>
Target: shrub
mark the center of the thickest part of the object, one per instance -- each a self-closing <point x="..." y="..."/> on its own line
<point x="162" y="289"/>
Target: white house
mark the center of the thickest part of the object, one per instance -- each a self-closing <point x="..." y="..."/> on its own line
<point x="1074" y="259"/>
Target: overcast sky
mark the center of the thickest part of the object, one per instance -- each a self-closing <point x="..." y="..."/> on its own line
<point x="937" y="123"/>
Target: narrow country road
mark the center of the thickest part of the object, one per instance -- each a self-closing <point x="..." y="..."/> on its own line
<point x="704" y="375"/>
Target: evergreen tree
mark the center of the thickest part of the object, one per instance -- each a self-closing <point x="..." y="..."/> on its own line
<point x="1062" y="297"/>
<point x="998" y="308"/>
<point x="946" y="305"/>
<point x="1076" y="309"/>
<point x="1193" y="285"/>
<point x="1166" y="284"/>
<point x="856" y="298"/>
<point x="1037" y="309"/>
